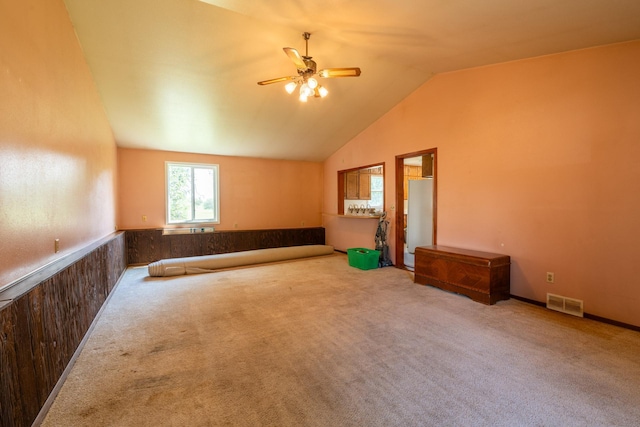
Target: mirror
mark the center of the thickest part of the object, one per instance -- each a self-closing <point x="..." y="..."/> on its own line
<point x="361" y="190"/>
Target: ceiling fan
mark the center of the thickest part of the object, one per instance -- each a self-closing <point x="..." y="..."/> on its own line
<point x="307" y="74"/>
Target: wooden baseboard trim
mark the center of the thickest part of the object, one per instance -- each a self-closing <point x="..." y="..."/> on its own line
<point x="586" y="315"/>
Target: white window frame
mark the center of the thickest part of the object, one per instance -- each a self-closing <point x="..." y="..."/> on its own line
<point x="216" y="192"/>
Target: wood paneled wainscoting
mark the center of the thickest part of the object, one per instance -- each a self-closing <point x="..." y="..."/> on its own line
<point x="150" y="245"/>
<point x="45" y="317"/>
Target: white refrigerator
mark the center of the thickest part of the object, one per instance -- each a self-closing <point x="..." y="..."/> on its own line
<point x="419" y="215"/>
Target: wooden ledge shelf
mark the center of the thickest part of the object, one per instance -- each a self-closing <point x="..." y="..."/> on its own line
<point x="354" y="216"/>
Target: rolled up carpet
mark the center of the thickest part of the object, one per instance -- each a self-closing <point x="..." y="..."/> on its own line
<point x="209" y="263"/>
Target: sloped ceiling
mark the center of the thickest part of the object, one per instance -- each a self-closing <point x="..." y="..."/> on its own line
<point x="181" y="75"/>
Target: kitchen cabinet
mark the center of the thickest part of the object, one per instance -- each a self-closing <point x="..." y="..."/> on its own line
<point x="364" y="186"/>
<point x="351" y="186"/>
<point x="411" y="172"/>
<point x="427" y="166"/>
<point x="357" y="185"/>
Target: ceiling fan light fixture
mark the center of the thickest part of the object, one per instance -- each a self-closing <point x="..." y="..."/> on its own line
<point x="307" y="78"/>
<point x="306" y="90"/>
<point x="290" y="87"/>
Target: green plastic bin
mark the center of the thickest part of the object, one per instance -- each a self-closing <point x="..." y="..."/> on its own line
<point x="363" y="258"/>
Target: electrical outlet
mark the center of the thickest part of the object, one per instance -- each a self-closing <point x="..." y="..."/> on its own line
<point x="56" y="245"/>
<point x="144" y="217"/>
<point x="302" y="223"/>
<point x="551" y="277"/>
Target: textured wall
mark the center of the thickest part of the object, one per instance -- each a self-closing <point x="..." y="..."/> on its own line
<point x="537" y="159"/>
<point x="254" y="193"/>
<point x="57" y="153"/>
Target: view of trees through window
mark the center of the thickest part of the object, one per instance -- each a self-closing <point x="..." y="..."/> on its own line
<point x="377" y="191"/>
<point x="192" y="193"/>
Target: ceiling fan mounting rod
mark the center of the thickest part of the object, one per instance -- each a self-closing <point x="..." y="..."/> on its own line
<point x="306" y="37"/>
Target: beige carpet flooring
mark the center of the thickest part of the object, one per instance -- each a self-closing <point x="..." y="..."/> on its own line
<point x="318" y="343"/>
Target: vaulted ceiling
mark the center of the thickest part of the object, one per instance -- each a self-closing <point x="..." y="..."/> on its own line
<point x="181" y="75"/>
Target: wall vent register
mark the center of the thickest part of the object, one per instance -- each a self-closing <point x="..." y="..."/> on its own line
<point x="566" y="305"/>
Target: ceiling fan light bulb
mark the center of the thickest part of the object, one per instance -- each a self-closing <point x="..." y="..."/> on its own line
<point x="312" y="83"/>
<point x="303" y="97"/>
<point x="290" y="87"/>
<point x="322" y="91"/>
<point x="306" y="90"/>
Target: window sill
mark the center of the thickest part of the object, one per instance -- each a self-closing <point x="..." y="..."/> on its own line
<point x="185" y="230"/>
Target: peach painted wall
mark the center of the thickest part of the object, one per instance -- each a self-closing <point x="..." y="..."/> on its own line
<point x="57" y="153"/>
<point x="254" y="193"/>
<point x="537" y="159"/>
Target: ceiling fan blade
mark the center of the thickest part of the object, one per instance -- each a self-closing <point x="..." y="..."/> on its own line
<point x="339" y="72"/>
<point x="278" y="80"/>
<point x="295" y="57"/>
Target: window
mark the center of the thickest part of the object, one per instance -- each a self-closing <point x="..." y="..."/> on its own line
<point x="377" y="191"/>
<point x="192" y="193"/>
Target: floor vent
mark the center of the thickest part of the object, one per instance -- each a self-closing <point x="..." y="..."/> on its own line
<point x="565" y="305"/>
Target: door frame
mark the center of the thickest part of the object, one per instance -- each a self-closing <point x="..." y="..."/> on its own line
<point x="400" y="200"/>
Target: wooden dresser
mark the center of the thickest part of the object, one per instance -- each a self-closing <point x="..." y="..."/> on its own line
<point x="482" y="276"/>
